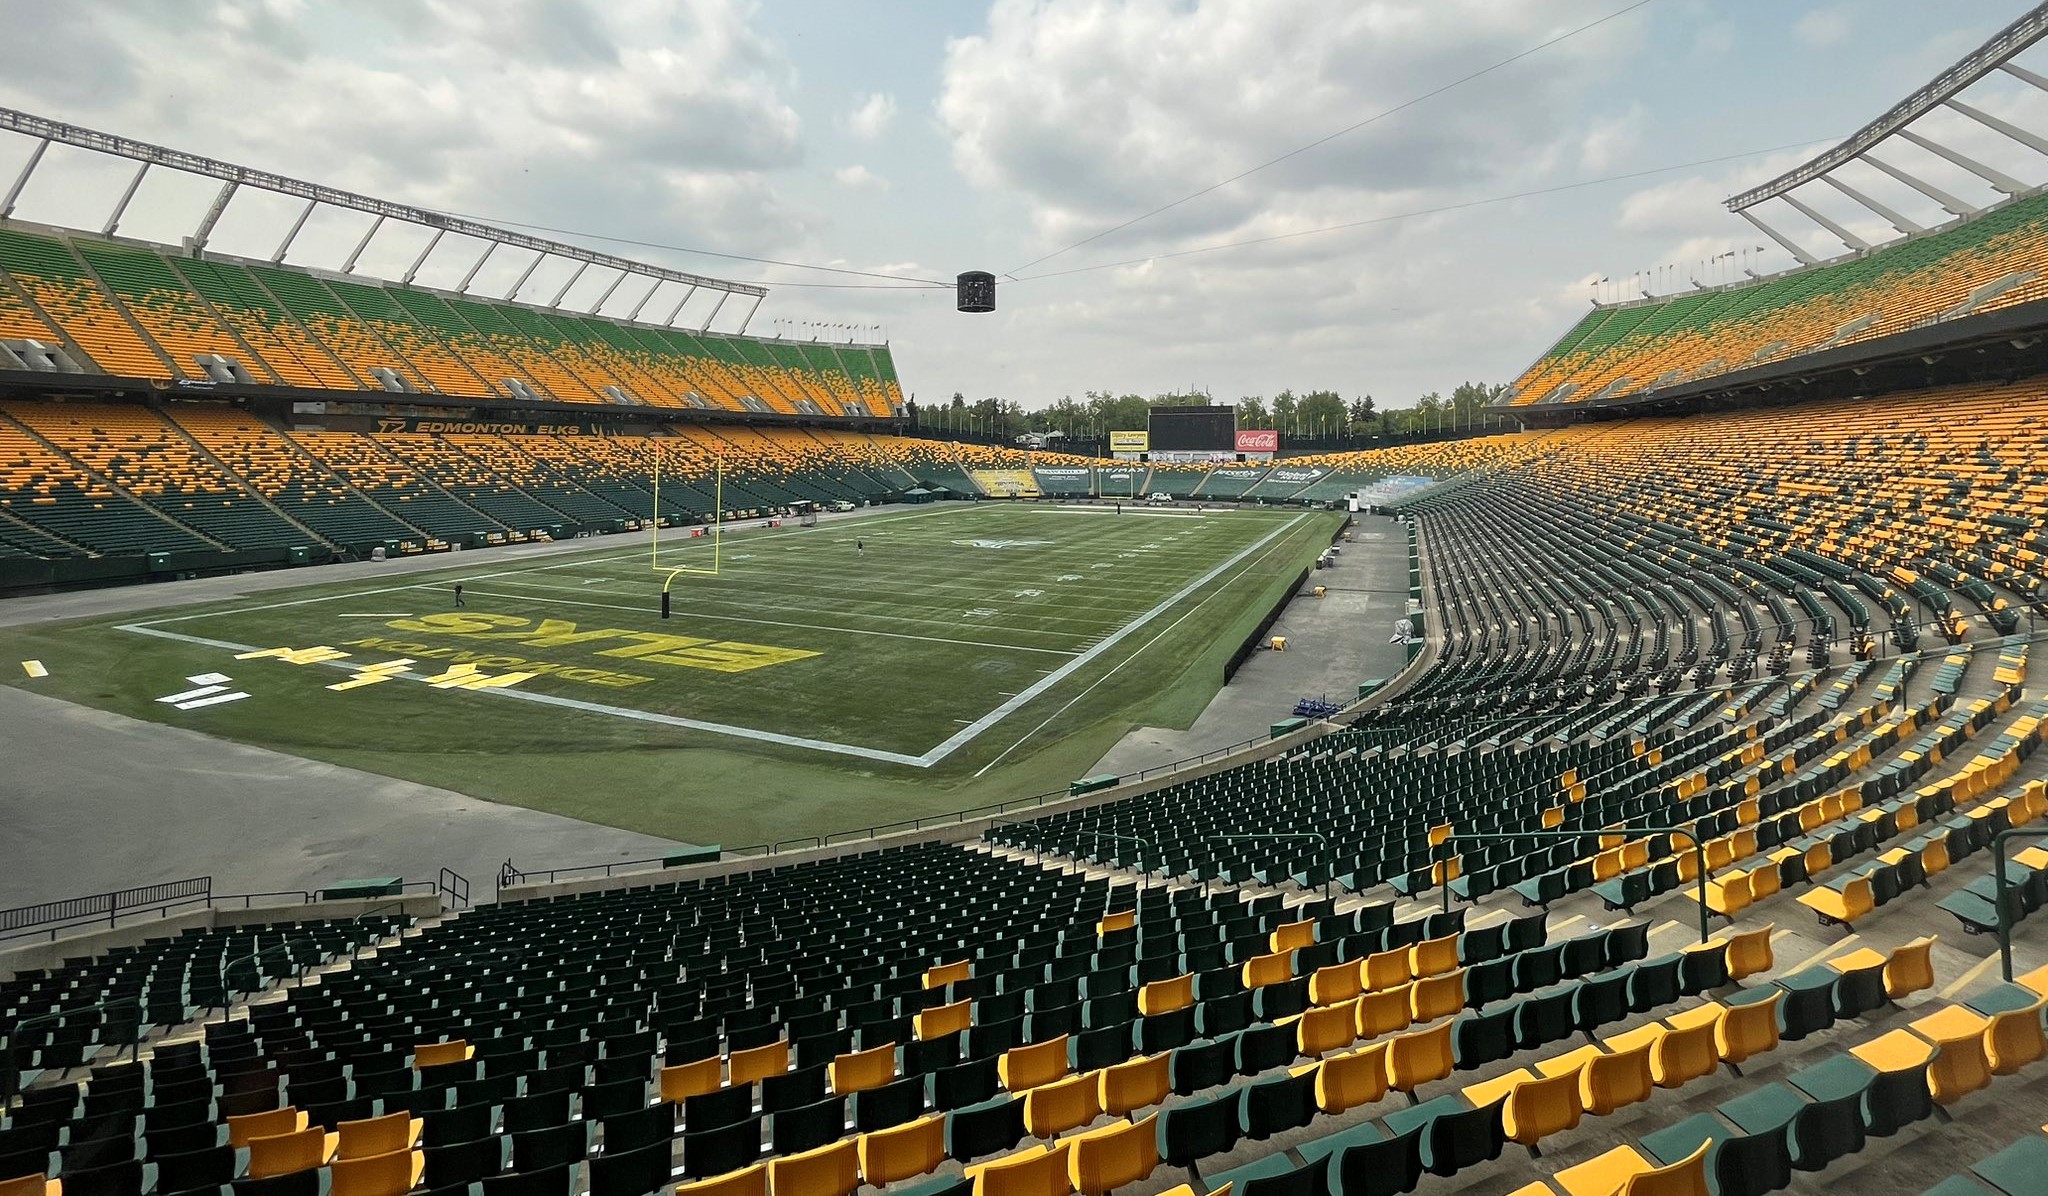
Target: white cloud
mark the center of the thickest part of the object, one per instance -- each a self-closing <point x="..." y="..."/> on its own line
<point x="620" y="114"/>
<point x="871" y="118"/>
<point x="1608" y="141"/>
<point x="859" y="176"/>
<point x="1823" y="26"/>
<point x="1093" y="111"/>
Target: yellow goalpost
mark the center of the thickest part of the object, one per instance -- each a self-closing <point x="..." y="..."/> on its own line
<point x="717" y="527"/>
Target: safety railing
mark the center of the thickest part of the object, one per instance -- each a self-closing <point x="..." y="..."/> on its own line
<point x="10" y="1076"/>
<point x="2000" y="885"/>
<point x="53" y="916"/>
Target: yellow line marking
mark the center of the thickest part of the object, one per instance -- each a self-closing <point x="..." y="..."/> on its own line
<point x="1567" y="923"/>
<point x="34" y="668"/>
<point x="1776" y="935"/>
<point x="1968" y="978"/>
<point x="1669" y="928"/>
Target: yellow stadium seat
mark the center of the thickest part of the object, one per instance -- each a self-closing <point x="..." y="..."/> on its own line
<point x="830" y="1170"/>
<point x="1102" y="1160"/>
<point x="389" y="1174"/>
<point x="903" y="1151"/>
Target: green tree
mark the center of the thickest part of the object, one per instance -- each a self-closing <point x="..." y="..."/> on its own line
<point x="1284" y="405"/>
<point x="1320" y="413"/>
<point x="1363" y="414"/>
<point x="1251" y="412"/>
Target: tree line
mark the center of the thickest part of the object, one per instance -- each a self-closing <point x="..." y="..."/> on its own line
<point x="1310" y="415"/>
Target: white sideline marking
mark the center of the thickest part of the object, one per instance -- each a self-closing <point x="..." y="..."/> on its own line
<point x="382" y="614"/>
<point x="936" y="754"/>
<point x="573" y="704"/>
<point x="1110" y="511"/>
<point x="966" y="735"/>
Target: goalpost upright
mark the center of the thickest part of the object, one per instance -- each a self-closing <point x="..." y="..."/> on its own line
<point x="717" y="527"/>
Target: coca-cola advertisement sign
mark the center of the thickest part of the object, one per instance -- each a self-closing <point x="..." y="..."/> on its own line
<point x="1257" y="440"/>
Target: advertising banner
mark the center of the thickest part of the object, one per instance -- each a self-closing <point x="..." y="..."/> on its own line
<point x="1258" y="440"/>
<point x="1129" y="442"/>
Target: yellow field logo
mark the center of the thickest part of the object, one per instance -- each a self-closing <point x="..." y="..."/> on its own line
<point x="647" y="647"/>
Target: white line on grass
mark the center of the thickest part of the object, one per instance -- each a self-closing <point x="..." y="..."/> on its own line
<point x="645" y="716"/>
<point x="1107" y="511"/>
<point x="952" y="744"/>
<point x="1167" y="630"/>
<point x="698" y="614"/>
<point x="966" y="735"/>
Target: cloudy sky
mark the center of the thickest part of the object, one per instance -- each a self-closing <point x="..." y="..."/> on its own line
<point x="920" y="138"/>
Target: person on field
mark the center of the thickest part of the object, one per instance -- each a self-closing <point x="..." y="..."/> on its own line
<point x="859" y="549"/>
<point x="459" y="603"/>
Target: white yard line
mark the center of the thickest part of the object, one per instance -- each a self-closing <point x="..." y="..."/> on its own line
<point x="699" y="614"/>
<point x="1167" y="630"/>
<point x="953" y="743"/>
<point x="645" y="716"/>
<point x="967" y="734"/>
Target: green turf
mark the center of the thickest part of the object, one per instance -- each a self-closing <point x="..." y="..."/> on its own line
<point x="852" y="687"/>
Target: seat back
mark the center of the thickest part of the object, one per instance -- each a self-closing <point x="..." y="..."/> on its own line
<point x="1746" y="1030"/>
<point x="1750" y="952"/>
<point x="247" y="1126"/>
<point x="1536" y="1109"/>
<point x="282" y="1154"/>
<point x="1062" y="1105"/>
<point x="1681" y="1056"/>
<point x="686" y="1080"/>
<point x="1100" y="1161"/>
<point x="1026" y="1067"/>
<point x="377" y="1135"/>
<point x="830" y="1170"/>
<point x="1416" y="1058"/>
<point x="2014" y="1039"/>
<point x="1910" y="967"/>
<point x="1615" y="1081"/>
<point x="747" y="1181"/>
<point x="768" y="1059"/>
<point x="389" y="1174"/>
<point x="903" y="1151"/>
<point x="1959" y="1067"/>
<point x="1352" y="1079"/>
<point x="857" y="1071"/>
<point x="1136" y="1084"/>
<point x="1035" y="1171"/>
<point x="435" y="1054"/>
<point x="1686" y="1177"/>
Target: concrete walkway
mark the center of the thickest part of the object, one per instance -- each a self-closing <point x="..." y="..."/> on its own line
<point x="1333" y="643"/>
<point x="97" y="801"/>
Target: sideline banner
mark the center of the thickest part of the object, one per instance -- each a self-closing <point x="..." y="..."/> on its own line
<point x="486" y="427"/>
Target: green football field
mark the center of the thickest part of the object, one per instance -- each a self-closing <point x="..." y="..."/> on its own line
<point x="820" y="679"/>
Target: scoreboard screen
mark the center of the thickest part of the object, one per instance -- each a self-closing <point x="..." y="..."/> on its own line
<point x="1194" y="429"/>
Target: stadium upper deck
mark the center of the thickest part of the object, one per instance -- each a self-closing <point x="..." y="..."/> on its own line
<point x="139" y="311"/>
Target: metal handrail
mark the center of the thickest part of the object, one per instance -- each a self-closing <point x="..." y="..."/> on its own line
<point x="510" y="874"/>
<point x="1699" y="853"/>
<point x="10" y="1078"/>
<point x="23" y="920"/>
<point x="1999" y="884"/>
